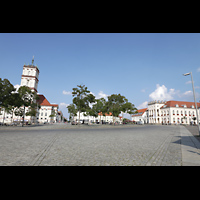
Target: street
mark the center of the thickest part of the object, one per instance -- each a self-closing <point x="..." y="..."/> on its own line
<point x="64" y="145"/>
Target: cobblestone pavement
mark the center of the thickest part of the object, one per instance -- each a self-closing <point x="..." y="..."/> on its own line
<point x="194" y="130"/>
<point x="90" y="146"/>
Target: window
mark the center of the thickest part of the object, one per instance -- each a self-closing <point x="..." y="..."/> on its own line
<point x="42" y="114"/>
<point x="185" y="112"/>
<point x="177" y="105"/>
<point x="45" y="114"/>
<point x="173" y="112"/>
<point x="177" y="112"/>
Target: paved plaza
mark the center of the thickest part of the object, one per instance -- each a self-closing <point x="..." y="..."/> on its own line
<point x="65" y="145"/>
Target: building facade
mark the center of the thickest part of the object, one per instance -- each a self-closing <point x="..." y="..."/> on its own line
<point x="171" y="112"/>
<point x="30" y="76"/>
<point x="153" y="111"/>
<point x="141" y="115"/>
<point x="108" y="118"/>
<point x="46" y="113"/>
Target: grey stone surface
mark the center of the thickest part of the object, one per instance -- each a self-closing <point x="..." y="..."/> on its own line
<point x="53" y="145"/>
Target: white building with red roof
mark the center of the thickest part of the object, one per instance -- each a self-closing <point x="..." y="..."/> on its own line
<point x="47" y="112"/>
<point x="107" y="118"/>
<point x="141" y="115"/>
<point x="172" y="112"/>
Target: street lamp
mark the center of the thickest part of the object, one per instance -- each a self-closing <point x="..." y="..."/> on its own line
<point x="194" y="98"/>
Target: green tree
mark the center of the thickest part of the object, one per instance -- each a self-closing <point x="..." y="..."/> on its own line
<point x="28" y="98"/>
<point x="6" y="90"/>
<point x="72" y="110"/>
<point x="15" y="102"/>
<point x="114" y="104"/>
<point x="52" y="115"/>
<point x="98" y="108"/>
<point x="82" y="98"/>
<point x="117" y="103"/>
<point x="33" y="107"/>
<point x="128" y="108"/>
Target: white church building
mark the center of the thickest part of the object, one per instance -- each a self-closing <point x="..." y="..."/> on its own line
<point x="30" y="78"/>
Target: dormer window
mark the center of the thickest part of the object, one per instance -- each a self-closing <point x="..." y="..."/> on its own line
<point x="192" y="106"/>
<point x="177" y="105"/>
<point x="184" y="106"/>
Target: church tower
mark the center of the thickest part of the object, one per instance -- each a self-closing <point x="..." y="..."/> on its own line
<point x="30" y="76"/>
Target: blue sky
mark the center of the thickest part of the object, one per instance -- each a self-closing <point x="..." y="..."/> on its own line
<point x="140" y="66"/>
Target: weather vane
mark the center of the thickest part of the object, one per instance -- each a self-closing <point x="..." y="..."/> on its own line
<point x="33" y="60"/>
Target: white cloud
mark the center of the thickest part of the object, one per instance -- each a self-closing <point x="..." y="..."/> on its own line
<point x="101" y="95"/>
<point x="67" y="92"/>
<point x="188" y="93"/>
<point x="63" y="105"/>
<point x="143" y="105"/>
<point x="17" y="87"/>
<point x="188" y="82"/>
<point x="188" y="96"/>
<point x="162" y="93"/>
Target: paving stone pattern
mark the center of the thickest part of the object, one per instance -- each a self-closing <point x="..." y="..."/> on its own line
<point x="129" y="146"/>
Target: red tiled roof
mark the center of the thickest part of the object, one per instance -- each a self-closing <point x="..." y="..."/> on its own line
<point x="110" y="114"/>
<point x="44" y="102"/>
<point x="180" y="104"/>
<point x="140" y="112"/>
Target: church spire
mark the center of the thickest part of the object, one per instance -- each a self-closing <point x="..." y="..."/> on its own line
<point x="33" y="60"/>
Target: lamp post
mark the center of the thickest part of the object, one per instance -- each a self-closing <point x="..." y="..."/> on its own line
<point x="194" y="98"/>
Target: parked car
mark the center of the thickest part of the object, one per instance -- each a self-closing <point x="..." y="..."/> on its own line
<point x="74" y="123"/>
<point x="140" y="122"/>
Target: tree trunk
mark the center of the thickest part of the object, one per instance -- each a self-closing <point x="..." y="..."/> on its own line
<point x="79" y="117"/>
<point x="12" y="115"/>
<point x="23" y="117"/>
<point x="4" y="115"/>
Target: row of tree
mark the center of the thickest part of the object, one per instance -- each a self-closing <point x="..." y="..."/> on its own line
<point x="85" y="101"/>
<point x="16" y="102"/>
